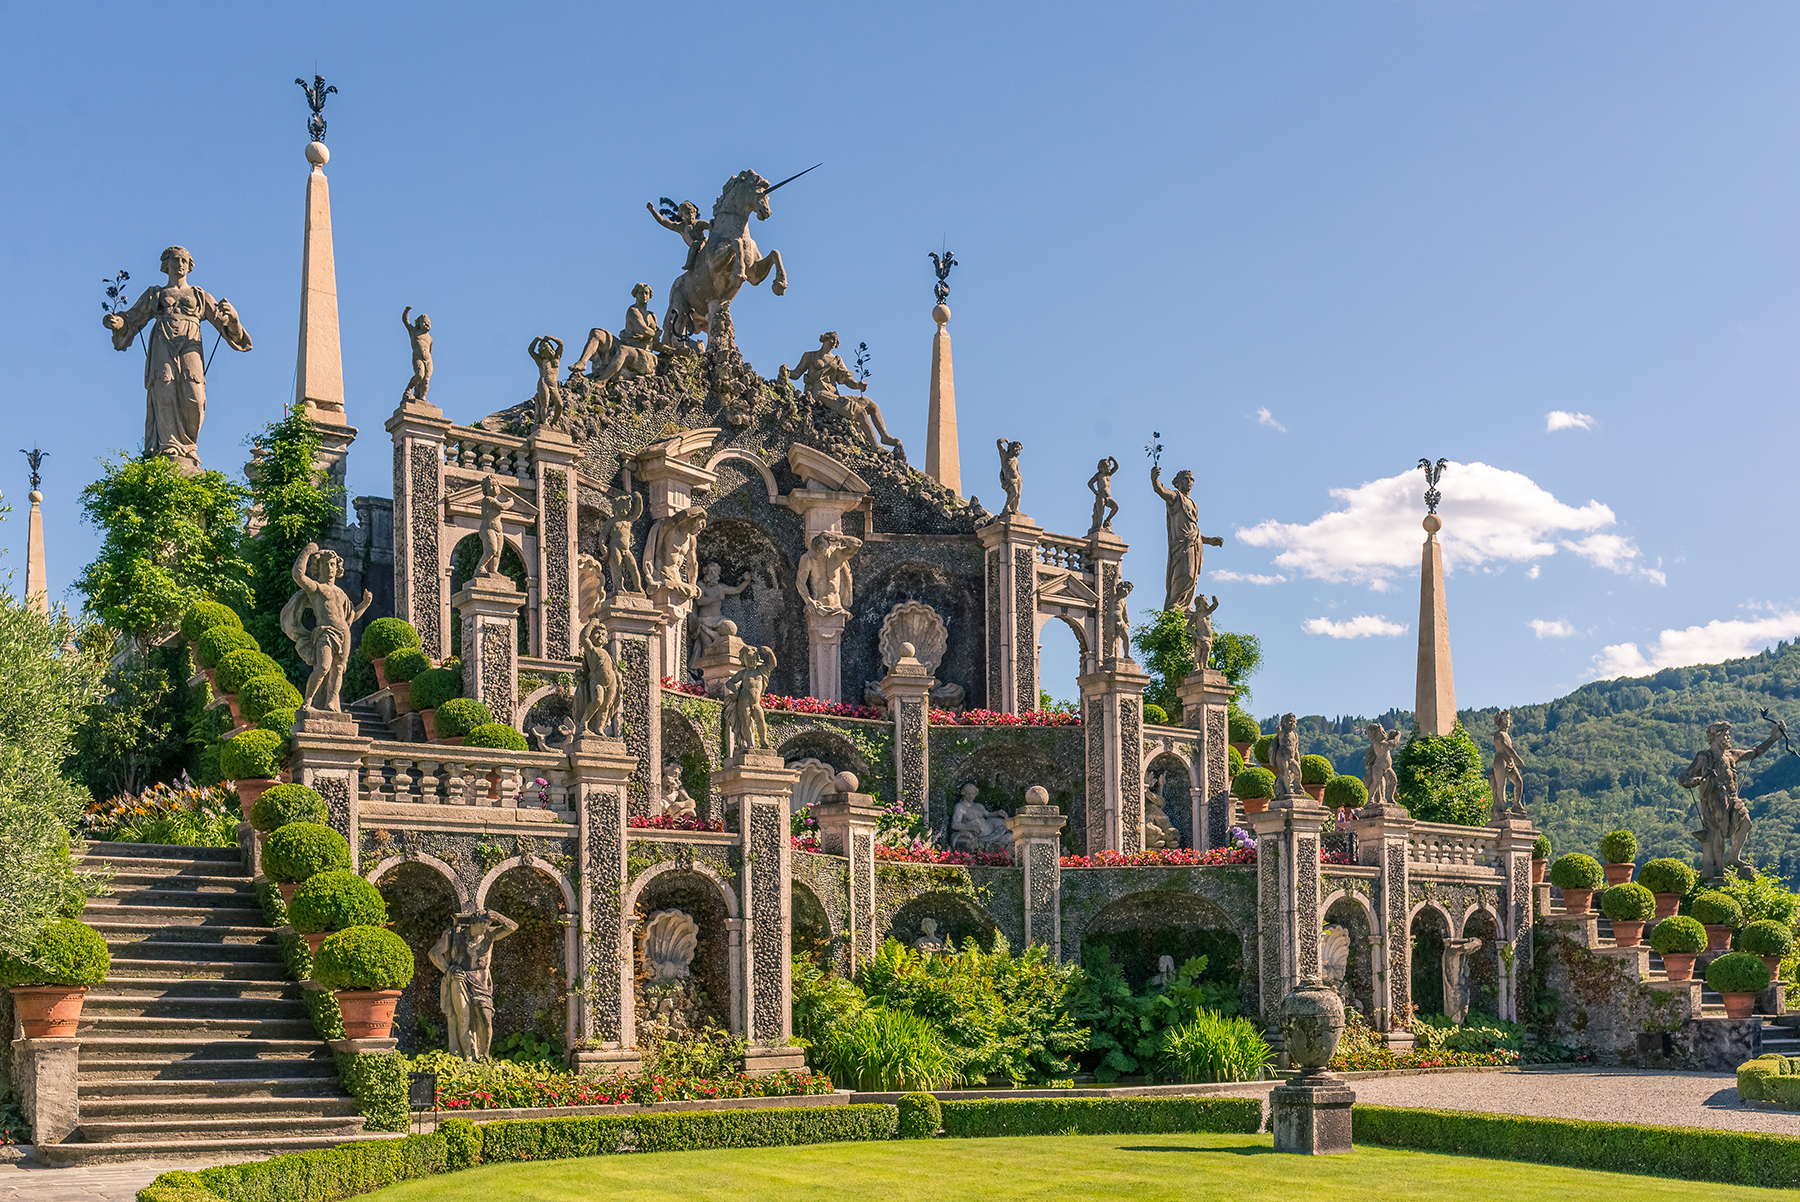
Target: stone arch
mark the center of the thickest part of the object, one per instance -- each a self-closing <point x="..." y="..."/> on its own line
<point x="683" y="742"/>
<point x="880" y="588"/>
<point x="534" y="966"/>
<point x="1179" y="787"/>
<point x="829" y="747"/>
<point x="527" y="860"/>
<point x="711" y="992"/>
<point x="811" y="924"/>
<point x="1081" y="640"/>
<point x="423" y="896"/>
<point x="1350" y="910"/>
<point x="958" y="916"/>
<point x="1485" y="987"/>
<point x="1002" y="770"/>
<point x="764" y="612"/>
<point x="550" y="702"/>
<point x="655" y="870"/>
<point x="374" y="875"/>
<point x="754" y="460"/>
<point x="465" y="552"/>
<point x="1427" y="928"/>
<point x="1139" y="928"/>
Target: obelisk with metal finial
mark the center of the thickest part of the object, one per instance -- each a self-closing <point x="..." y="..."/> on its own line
<point x="1435" y="705"/>
<point x="941" y="454"/>
<point x="37" y="587"/>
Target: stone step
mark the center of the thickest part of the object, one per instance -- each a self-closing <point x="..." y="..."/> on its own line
<point x="174" y="952"/>
<point x="207" y="989"/>
<point x="115" y="1089"/>
<point x="189" y="883"/>
<point x="127" y="971"/>
<point x="156" y="899"/>
<point x="177" y="1126"/>
<point x="317" y="1062"/>
<point x="186" y="1007"/>
<point x="203" y="1150"/>
<point x="98" y="849"/>
<point x="116" y="932"/>
<point x="172" y="1110"/>
<point x="186" y="912"/>
<point x="213" y="1029"/>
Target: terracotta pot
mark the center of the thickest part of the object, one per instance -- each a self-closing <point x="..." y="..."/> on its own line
<point x="1627" y="933"/>
<point x="452" y="740"/>
<point x="1577" y="901"/>
<point x="1244" y="749"/>
<point x="1718" y="936"/>
<point x="1537" y="871"/>
<point x="1739" y="1005"/>
<point x="1255" y="805"/>
<point x="430" y="719"/>
<point x="1617" y="874"/>
<point x="49" y="1011"/>
<point x="287" y="892"/>
<point x="1679" y="965"/>
<point x="1316" y="792"/>
<point x="212" y="681"/>
<point x="368" y="1013"/>
<point x="401" y="692"/>
<point x="313" y="940"/>
<point x="249" y="790"/>
<point x="1774" y="963"/>
<point x="381" y="680"/>
<point x="1667" y="904"/>
<point x="231" y="700"/>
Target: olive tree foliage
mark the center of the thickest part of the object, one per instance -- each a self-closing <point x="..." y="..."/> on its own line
<point x="1168" y="651"/>
<point x="296" y="504"/>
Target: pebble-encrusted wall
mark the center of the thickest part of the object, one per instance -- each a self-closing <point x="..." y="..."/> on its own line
<point x="1004" y="761"/>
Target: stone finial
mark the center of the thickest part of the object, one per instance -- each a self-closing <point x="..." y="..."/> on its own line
<point x="1037" y="795"/>
<point x="845" y="782"/>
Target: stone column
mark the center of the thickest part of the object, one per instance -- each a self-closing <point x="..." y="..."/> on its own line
<point x="46" y="1075"/>
<point x="419" y="431"/>
<point x="634" y="634"/>
<point x="670" y="482"/>
<point x="1011" y="544"/>
<point x="327" y="758"/>
<point x="824" y="659"/>
<point x="847" y="823"/>
<point x="908" y="688"/>
<point x="489" y="606"/>
<point x="1205" y="706"/>
<point x="1382" y="833"/>
<point x="1515" y="843"/>
<point x="605" y="1016"/>
<point x="756" y="785"/>
<point x="1112" y="701"/>
<point x="1287" y="898"/>
<point x="1037" y="848"/>
<point x="558" y="628"/>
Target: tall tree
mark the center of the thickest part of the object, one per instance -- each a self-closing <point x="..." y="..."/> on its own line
<point x="1168" y="651"/>
<point x="296" y="504"/>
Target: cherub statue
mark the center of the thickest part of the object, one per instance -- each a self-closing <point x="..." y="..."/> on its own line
<point x="1122" y="618"/>
<point x="683" y="219"/>
<point x="547" y="352"/>
<point x="494" y="507"/>
<point x="615" y="542"/>
<point x="597" y="699"/>
<point x="823" y="576"/>
<point x="676" y="801"/>
<point x="1506" y="767"/>
<point x="420" y="333"/>
<point x="1378" y="765"/>
<point x="1284" y="755"/>
<point x="742" y="724"/>
<point x="1200" y="628"/>
<point x="327" y="645"/>
<point x="590" y="586"/>
<point x="1010" y="480"/>
<point x="1100" y="484"/>
<point x="709" y="612"/>
<point x="974" y="827"/>
<point x="823" y="370"/>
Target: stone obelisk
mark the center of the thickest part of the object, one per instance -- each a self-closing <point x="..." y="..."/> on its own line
<point x="941" y="459"/>
<point x="37" y="588"/>
<point x="319" y="371"/>
<point x="1435" y="707"/>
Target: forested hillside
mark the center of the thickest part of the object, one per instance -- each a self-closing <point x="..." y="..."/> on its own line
<point x="1607" y="755"/>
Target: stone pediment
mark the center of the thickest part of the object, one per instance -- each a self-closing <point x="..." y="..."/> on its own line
<point x="1067" y="589"/>
<point x="823" y="472"/>
<point x="466" y="503"/>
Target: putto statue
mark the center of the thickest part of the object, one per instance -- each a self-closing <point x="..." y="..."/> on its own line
<point x="494" y="508"/>
<point x="1378" y="765"/>
<point x="598" y="696"/>
<point x="615" y="542"/>
<point x="1284" y="755"/>
<point x="1122" y="618"/>
<point x="547" y="405"/>
<point x="1506" y="768"/>
<point x="174" y="362"/>
<point x="327" y="645"/>
<point x="823" y="577"/>
<point x="1187" y="548"/>
<point x="1200" y="628"/>
<point x="741" y="720"/>
<point x="709" y="613"/>
<point x="465" y="955"/>
<point x="675" y="801"/>
<point x="419" y="333"/>
<point x="726" y="259"/>
<point x="1012" y="482"/>
<point x="683" y="219"/>
<point x="823" y="370"/>
<point x="1100" y="484"/>
<point x="1724" y="818"/>
<point x="672" y="553"/>
<point x="975" y="827"/>
<point x="632" y="353"/>
<point x="1159" y="832"/>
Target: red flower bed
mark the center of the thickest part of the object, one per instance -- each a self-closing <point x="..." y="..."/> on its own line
<point x="1181" y="857"/>
<point x="812" y="705"/>
<point x="919" y="853"/>
<point x="671" y="685"/>
<point x="562" y="1089"/>
<point x="805" y="842"/>
<point x="995" y="718"/>
<point x="671" y="822"/>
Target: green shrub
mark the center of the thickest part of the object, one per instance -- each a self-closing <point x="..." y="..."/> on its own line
<point x="335" y="901"/>
<point x="363" y="958"/>
<point x="329" y="1174"/>
<point x="1263" y="749"/>
<point x="378" y="1081"/>
<point x="1101" y="1116"/>
<point x="1628" y="903"/>
<point x="252" y="755"/>
<point x="263" y="695"/>
<point x="1714" y="908"/>
<point x="1440" y="779"/>
<point x="241" y="666"/>
<point x="1576" y="871"/>
<point x="887" y="1048"/>
<point x="1346" y="793"/>
<point x="1766" y="937"/>
<point x="1693" y="1153"/>
<point x="1738" y="972"/>
<point x="1236" y="760"/>
<point x="1315" y="770"/>
<point x="1619" y="847"/>
<point x="1241" y="727"/>
<point x="287" y="803"/>
<point x="434" y="686"/>
<point x="215" y="644"/>
<point x="1753" y="1077"/>
<point x="405" y="664"/>
<point x="920" y="1115"/>
<point x="600" y="1135"/>
<point x="66" y="952"/>
<point x="1667" y="875"/>
<point x="1679" y="935"/>
<point x="1155" y="714"/>
<point x="460" y="715"/>
<point x="1540" y="850"/>
<point x="494" y="734"/>
<point x="279" y="721"/>
<point x="1211" y="1047"/>
<point x="294" y="852"/>
<point x="384" y="636"/>
<point x="464" y="1143"/>
<point x="1252" y="783"/>
<point x="208" y="615"/>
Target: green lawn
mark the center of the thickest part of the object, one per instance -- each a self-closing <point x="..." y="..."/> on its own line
<point x="1143" y="1168"/>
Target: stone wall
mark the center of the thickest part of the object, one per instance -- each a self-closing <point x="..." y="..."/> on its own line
<point x="1004" y="761"/>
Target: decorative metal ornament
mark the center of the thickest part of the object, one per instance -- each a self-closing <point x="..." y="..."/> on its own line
<point x="34" y="457"/>
<point x="315" y="98"/>
<point x="942" y="266"/>
<point x="1433" y="473"/>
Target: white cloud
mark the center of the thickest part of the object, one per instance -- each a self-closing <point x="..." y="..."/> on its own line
<point x="1718" y="640"/>
<point x="1490" y="515"/>
<point x="1533" y="573"/>
<point x="1562" y="419"/>
<point x="1265" y="418"/>
<point x="1360" y="627"/>
<point x="1553" y="629"/>
<point x="1248" y="577"/>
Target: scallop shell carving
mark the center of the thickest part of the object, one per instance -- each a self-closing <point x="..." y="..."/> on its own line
<point x="1334" y="952"/>
<point x="669" y="941"/>
<point x="917" y="623"/>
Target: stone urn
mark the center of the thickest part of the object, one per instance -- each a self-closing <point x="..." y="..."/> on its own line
<point x="49" y="1011"/>
<point x="1312" y="1020"/>
<point x="368" y="1013"/>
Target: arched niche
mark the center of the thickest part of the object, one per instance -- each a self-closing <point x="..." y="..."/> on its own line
<point x="463" y="558"/>
<point x="958" y="918"/>
<point x="1484" y="965"/>
<point x="1429" y="928"/>
<point x="812" y="936"/>
<point x="667" y="1007"/>
<point x="1001" y="771"/>
<point x="767" y="611"/>
<point x="830" y="748"/>
<point x="1140" y="928"/>
<point x="945" y="590"/>
<point x="1350" y="912"/>
<point x="531" y="966"/>
<point x="683" y="743"/>
<point x="423" y="896"/>
<point x="1175" y="774"/>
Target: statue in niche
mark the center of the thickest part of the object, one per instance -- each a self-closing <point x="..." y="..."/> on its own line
<point x="1506" y="767"/>
<point x="465" y="955"/>
<point x="742" y="724"/>
<point x="590" y="585"/>
<point x="1100" y="484"/>
<point x="1334" y="953"/>
<point x="1200" y="628"/>
<point x="918" y="624"/>
<point x="706" y="622"/>
<point x="824" y="578"/>
<point x="675" y="801"/>
<point x="632" y="353"/>
<point x="1284" y="757"/>
<point x="1187" y="548"/>
<point x="670" y="938"/>
<point x="928" y="940"/>
<point x="1158" y="831"/>
<point x="683" y="219"/>
<point x="1378" y="765"/>
<point x="494" y="509"/>
<point x="976" y="828"/>
<point x="1724" y="819"/>
<point x="548" y="404"/>
<point x="598" y="698"/>
<point x="174" y="362"/>
<point x="615" y="544"/>
<point x="1456" y="976"/>
<point x="1122" y="618"/>
<point x="822" y="371"/>
<point x="327" y="645"/>
<point x="1011" y="481"/>
<point x="1165" y="972"/>
<point x="419" y="332"/>
<point x="672" y="553"/>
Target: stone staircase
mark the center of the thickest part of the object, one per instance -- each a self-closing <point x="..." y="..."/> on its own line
<point x="1784" y="1039"/>
<point x="369" y="722"/>
<point x="196" y="1044"/>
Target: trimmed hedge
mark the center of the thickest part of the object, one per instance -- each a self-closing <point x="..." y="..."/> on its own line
<point x="495" y="735"/>
<point x="208" y="615"/>
<point x="378" y="1081"/>
<point x="1666" y="875"/>
<point x="1346" y="793"/>
<point x="460" y="715"/>
<point x="363" y="958"/>
<point x="296" y="851"/>
<point x="1679" y="934"/>
<point x="434" y="686"/>
<point x="1253" y="782"/>
<point x="1715" y="908"/>
<point x="287" y="803"/>
<point x="405" y="664"/>
<point x="1262" y="749"/>
<point x="1237" y="760"/>
<point x="1620" y="847"/>
<point x="280" y="721"/>
<point x="1769" y="1078"/>
<point x="1577" y="871"/>
<point x="334" y="901"/>
<point x="684" y="1131"/>
<point x="253" y="754"/>
<point x="1766" y="937"/>
<point x="1540" y="848"/>
<point x="1316" y="770"/>
<point x="1737" y="972"/>
<point x="920" y="1116"/>
<point x="1694" y="1153"/>
<point x="1155" y="715"/>
<point x="241" y="667"/>
<point x="1628" y="903"/>
<point x="1101" y="1116"/>
<point x="384" y="636"/>
<point x="1241" y="727"/>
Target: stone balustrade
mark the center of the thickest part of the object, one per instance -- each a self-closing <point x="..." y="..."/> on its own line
<point x="480" y="452"/>
<point x="1061" y="551"/>
<point x="1433" y="847"/>
<point x="431" y="774"/>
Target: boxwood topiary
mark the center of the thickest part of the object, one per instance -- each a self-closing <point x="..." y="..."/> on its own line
<point x="1713" y="908"/>
<point x="1236" y="759"/>
<point x="1628" y="903"/>
<point x="1346" y="793"/>
<point x="1667" y="875"/>
<point x="294" y="852"/>
<point x="1252" y="783"/>
<point x="1241" y="727"/>
<point x="1679" y="935"/>
<point x="1737" y="972"/>
<point x="920" y="1116"/>
<point x="460" y="715"/>
<point x="287" y="803"/>
<point x="363" y="958"/>
<point x="1766" y="937"/>
<point x="264" y="694"/>
<point x="220" y="641"/>
<point x="1620" y="847"/>
<point x="1316" y="770"/>
<point x="384" y="636"/>
<point x="252" y="755"/>
<point x="65" y="952"/>
<point x="279" y="721"/>
<point x="1263" y="749"/>
<point x="434" y="686"/>
<point x="243" y="665"/>
<point x="1576" y="871"/>
<point x="1540" y="850"/>
<point x="334" y="901"/>
<point x="406" y="664"/>
<point x="208" y="615"/>
<point x="1155" y="714"/>
<point x="496" y="735"/>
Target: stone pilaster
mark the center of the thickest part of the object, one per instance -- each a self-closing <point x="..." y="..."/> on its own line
<point x="825" y="650"/>
<point x="908" y="689"/>
<point x="419" y="431"/>
<point x="1112" y="701"/>
<point x="1010" y="544"/>
<point x="1287" y="897"/>
<point x="1205" y="706"/>
<point x="327" y="758"/>
<point x="1037" y="848"/>
<point x="847" y="825"/>
<point x="1515" y="843"/>
<point x="1382" y="833"/>
<point x="489" y="606"/>
<point x="1106" y="559"/>
<point x="604" y="1014"/>
<point x="46" y="1076"/>
<point x="634" y="634"/>
<point x="553" y="460"/>
<point x="755" y="784"/>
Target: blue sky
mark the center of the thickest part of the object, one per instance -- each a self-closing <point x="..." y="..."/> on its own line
<point x="1308" y="243"/>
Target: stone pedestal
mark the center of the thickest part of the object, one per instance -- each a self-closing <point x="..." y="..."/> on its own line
<point x="419" y="430"/>
<point x="1311" y="1115"/>
<point x="327" y="758"/>
<point x="1515" y="843"/>
<point x="558" y="629"/>
<point x="1382" y="832"/>
<point x="1287" y="897"/>
<point x="825" y="646"/>
<point x="1010" y="543"/>
<point x="46" y="1079"/>
<point x="1112" y="702"/>
<point x="1105" y="559"/>
<point x="672" y="648"/>
<point x="634" y="635"/>
<point x="1205" y="706"/>
<point x="758" y="787"/>
<point x="847" y="824"/>
<point x="604" y="1017"/>
<point x="1037" y="848"/>
<point x="490" y="606"/>
<point x="908" y="689"/>
<point x="722" y="659"/>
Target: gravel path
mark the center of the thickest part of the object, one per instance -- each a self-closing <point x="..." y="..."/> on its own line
<point x="95" y="1183"/>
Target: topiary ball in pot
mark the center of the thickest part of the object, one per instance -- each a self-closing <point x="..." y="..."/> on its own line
<point x="221" y="641"/>
<point x="252" y="755"/>
<point x="404" y="665"/>
<point x="1255" y="787"/>
<point x="1671" y="880"/>
<point x="1720" y="914"/>
<point x="1577" y="875"/>
<point x="294" y="852"/>
<point x="1346" y="793"/>
<point x="1316" y="770"/>
<point x="208" y="615"/>
<point x="1737" y="977"/>
<point x="1263" y="748"/>
<point x="434" y="686"/>
<point x="384" y="636"/>
<point x="1618" y="851"/>
<point x="280" y="721"/>
<point x="1678" y="940"/>
<point x="243" y="665"/>
<point x="1766" y="937"/>
<point x="1155" y="714"/>
<point x="1628" y="906"/>
<point x="495" y="735"/>
<point x="266" y="694"/>
<point x="1241" y="728"/>
<point x="334" y="901"/>
<point x="1540" y="847"/>
<point x="1235" y="759"/>
<point x="283" y="804"/>
<point x="460" y="715"/>
<point x="51" y="980"/>
<point x="366" y="967"/>
<point x="920" y="1116"/>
